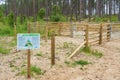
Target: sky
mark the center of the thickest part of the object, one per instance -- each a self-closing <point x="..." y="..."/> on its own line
<point x="2" y="2"/>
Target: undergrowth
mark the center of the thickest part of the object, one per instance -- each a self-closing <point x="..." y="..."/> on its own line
<point x="4" y="51"/>
<point x="89" y="51"/>
<point x="34" y="71"/>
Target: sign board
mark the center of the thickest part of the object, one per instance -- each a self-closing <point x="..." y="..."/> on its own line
<point x="28" y="41"/>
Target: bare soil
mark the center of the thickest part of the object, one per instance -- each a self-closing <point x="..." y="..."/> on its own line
<point x="105" y="68"/>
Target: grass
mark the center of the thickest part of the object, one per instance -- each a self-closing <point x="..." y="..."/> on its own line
<point x="4" y="51"/>
<point x="6" y="44"/>
<point x="39" y="54"/>
<point x="97" y="53"/>
<point x="23" y="72"/>
<point x="12" y="65"/>
<point x="86" y="49"/>
<point x="81" y="62"/>
<point x="34" y="71"/>
<point x="67" y="45"/>
<point x="13" y="43"/>
<point x="89" y="51"/>
<point x="114" y="18"/>
<point x="67" y="62"/>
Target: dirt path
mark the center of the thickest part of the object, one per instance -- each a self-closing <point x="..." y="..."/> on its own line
<point x="105" y="68"/>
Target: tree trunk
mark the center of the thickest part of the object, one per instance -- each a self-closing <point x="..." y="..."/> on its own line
<point x="90" y="9"/>
<point x="110" y="9"/>
<point x="119" y="11"/>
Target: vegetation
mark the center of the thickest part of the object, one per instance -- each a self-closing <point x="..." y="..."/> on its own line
<point x="11" y="19"/>
<point x="81" y="63"/>
<point x="6" y="46"/>
<point x="4" y="51"/>
<point x="34" y="71"/>
<point x="41" y="13"/>
<point x="39" y="54"/>
<point x="89" y="51"/>
<point x="20" y="12"/>
<point x="67" y="45"/>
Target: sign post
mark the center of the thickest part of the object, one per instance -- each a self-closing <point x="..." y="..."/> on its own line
<point x="53" y="49"/>
<point x="28" y="41"/>
<point x="28" y="58"/>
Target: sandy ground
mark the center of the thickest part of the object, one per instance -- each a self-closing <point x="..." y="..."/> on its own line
<point x="105" y="68"/>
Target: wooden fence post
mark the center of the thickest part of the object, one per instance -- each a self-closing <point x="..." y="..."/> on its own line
<point x="28" y="58"/>
<point x="53" y="49"/>
<point x="59" y="32"/>
<point x="108" y="32"/>
<point x="15" y="32"/>
<point x="86" y="35"/>
<point x="46" y="32"/>
<point x="71" y="28"/>
<point x="37" y="27"/>
<point x="101" y="31"/>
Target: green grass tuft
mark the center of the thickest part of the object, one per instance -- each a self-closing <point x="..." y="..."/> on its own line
<point x="37" y="70"/>
<point x="88" y="51"/>
<point x="81" y="62"/>
<point x="39" y="54"/>
<point x="97" y="53"/>
<point x="4" y="51"/>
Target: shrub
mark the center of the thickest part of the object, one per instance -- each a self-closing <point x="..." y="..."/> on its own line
<point x="11" y="19"/>
<point x="55" y="18"/>
<point x="41" y="13"/>
<point x="1" y="14"/>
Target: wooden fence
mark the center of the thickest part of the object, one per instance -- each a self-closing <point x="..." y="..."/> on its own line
<point x="93" y="33"/>
<point x="97" y="34"/>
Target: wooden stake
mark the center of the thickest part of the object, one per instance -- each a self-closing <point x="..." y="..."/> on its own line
<point x="46" y="32"/>
<point x="86" y="36"/>
<point x="59" y="32"/>
<point x="101" y="31"/>
<point x="15" y="32"/>
<point x="53" y="49"/>
<point x="28" y="58"/>
<point x="71" y="26"/>
<point x="28" y="64"/>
